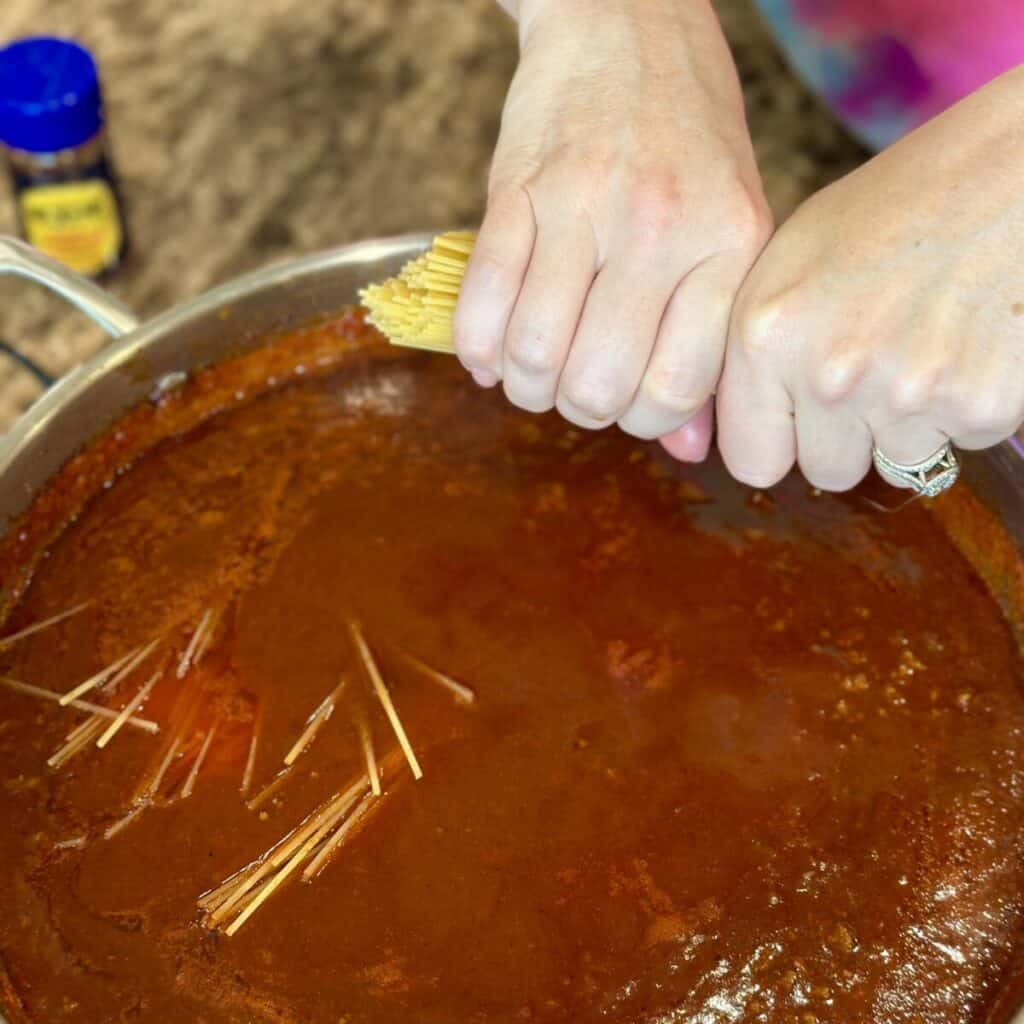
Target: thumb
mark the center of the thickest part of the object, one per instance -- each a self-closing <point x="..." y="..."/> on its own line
<point x="692" y="441"/>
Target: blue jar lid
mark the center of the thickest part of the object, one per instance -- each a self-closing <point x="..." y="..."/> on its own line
<point x="49" y="95"/>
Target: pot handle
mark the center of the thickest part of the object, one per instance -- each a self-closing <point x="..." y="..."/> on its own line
<point x="22" y="260"/>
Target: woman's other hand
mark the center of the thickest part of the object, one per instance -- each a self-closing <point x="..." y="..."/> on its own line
<point x="889" y="308"/>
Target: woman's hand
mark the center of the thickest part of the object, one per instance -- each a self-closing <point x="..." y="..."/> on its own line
<point x="624" y="211"/>
<point x="889" y="308"/>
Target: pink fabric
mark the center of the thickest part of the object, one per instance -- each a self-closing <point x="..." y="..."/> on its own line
<point x="885" y="66"/>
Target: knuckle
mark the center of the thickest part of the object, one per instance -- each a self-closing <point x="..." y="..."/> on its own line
<point x="657" y="202"/>
<point x="737" y="218"/>
<point x="912" y="393"/>
<point x="642" y="431"/>
<point x="839" y="371"/>
<point x="988" y="410"/>
<point x="595" y="398"/>
<point x="573" y="415"/>
<point x="533" y="352"/>
<point x="747" y="219"/>
<point x="762" y="323"/>
<point x="474" y="356"/>
<point x="473" y="348"/>
<point x="676" y="390"/>
<point x="524" y="398"/>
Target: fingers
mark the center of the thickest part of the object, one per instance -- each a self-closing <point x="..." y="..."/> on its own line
<point x="983" y="398"/>
<point x="833" y="440"/>
<point x="688" y="351"/>
<point x="614" y="340"/>
<point x="979" y="418"/>
<point x="909" y="441"/>
<point x="974" y="397"/>
<point x="754" y="410"/>
<point x="833" y="445"/>
<point x="547" y="312"/>
<point x="692" y="441"/>
<point x="492" y="283"/>
<point x="532" y="313"/>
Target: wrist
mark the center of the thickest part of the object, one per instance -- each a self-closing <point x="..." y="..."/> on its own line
<point x="530" y="13"/>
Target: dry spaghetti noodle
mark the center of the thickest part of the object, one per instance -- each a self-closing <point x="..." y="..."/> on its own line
<point x="415" y="309"/>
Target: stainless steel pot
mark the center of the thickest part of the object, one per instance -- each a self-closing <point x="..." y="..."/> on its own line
<point x="236" y="316"/>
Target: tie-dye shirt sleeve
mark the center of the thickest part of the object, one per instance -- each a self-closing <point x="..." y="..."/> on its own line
<point x="886" y="66"/>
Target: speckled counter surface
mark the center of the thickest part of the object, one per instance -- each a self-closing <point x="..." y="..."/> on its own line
<point x="247" y="132"/>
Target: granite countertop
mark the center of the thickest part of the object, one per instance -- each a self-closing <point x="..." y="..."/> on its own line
<point x="245" y="133"/>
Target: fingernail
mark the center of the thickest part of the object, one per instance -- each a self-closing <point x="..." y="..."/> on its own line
<point x="485" y="378"/>
<point x="690" y="443"/>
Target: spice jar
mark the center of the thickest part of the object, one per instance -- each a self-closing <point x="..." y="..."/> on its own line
<point x="52" y="131"/>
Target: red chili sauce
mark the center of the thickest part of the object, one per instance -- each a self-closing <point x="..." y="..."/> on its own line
<point x="729" y="757"/>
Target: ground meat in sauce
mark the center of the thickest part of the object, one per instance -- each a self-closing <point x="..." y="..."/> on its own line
<point x="733" y="757"/>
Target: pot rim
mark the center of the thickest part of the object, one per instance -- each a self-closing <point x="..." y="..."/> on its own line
<point x="130" y="345"/>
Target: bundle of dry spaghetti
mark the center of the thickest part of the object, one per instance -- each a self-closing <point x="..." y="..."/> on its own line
<point x="415" y="309"/>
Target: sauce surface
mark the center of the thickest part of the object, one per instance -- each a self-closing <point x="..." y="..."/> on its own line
<point x="732" y="756"/>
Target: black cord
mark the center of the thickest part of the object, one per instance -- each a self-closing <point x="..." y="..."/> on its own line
<point x="34" y="368"/>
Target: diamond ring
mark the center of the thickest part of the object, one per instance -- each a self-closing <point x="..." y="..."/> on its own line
<point x="929" y="478"/>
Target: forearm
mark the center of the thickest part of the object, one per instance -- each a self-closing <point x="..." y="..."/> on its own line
<point x="642" y="40"/>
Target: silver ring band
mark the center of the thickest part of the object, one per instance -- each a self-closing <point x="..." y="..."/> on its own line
<point x="928" y="478"/>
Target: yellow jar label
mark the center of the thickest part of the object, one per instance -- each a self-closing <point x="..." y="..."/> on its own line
<point x="75" y="222"/>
